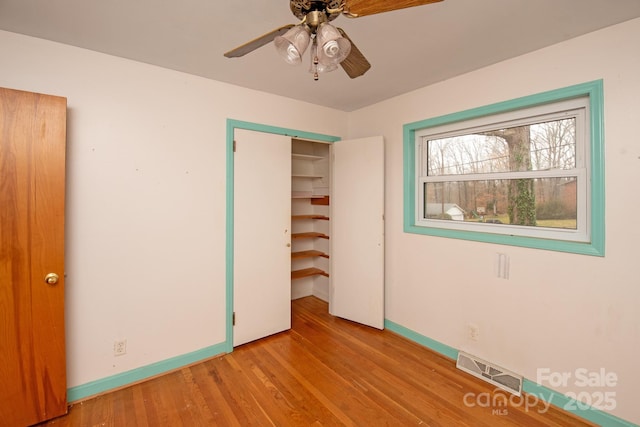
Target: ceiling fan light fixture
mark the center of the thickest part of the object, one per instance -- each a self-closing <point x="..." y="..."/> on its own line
<point x="316" y="67"/>
<point x="332" y="47"/>
<point x="292" y="45"/>
<point x="321" y="68"/>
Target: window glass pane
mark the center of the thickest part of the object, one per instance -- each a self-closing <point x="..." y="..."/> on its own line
<point x="541" y="146"/>
<point x="541" y="202"/>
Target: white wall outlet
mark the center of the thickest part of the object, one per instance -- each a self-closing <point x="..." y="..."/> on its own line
<point x="474" y="332"/>
<point x="120" y="347"/>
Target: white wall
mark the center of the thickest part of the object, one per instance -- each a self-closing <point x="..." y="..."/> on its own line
<point x="145" y="198"/>
<point x="146" y="181"/>
<point x="557" y="311"/>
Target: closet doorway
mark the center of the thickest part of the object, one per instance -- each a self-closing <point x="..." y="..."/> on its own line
<point x="259" y="239"/>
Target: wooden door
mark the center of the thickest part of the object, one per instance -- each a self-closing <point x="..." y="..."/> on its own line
<point x="262" y="252"/>
<point x="357" y="231"/>
<point x="32" y="178"/>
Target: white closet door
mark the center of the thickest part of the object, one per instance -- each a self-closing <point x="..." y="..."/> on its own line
<point x="262" y="253"/>
<point x="357" y="231"/>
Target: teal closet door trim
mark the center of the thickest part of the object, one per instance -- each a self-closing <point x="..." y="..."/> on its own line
<point x="232" y="125"/>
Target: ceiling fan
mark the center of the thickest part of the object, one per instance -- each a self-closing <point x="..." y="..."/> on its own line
<point x="330" y="46"/>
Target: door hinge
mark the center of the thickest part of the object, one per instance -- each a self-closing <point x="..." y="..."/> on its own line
<point x="234" y="145"/>
<point x="233" y="319"/>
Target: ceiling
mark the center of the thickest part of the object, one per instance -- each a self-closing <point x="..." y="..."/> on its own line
<point x="408" y="48"/>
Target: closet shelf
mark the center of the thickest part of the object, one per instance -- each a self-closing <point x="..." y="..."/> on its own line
<point x="305" y="176"/>
<point x="309" y="235"/>
<point x="313" y="216"/>
<point x="320" y="200"/>
<point x="308" y="254"/>
<point x="307" y="272"/>
<point x="297" y="156"/>
<point x="306" y="195"/>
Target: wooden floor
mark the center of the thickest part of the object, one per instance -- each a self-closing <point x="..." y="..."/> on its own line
<point x="325" y="371"/>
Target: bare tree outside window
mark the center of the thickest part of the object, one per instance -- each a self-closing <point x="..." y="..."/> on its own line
<point x="526" y="172"/>
<point x="549" y="201"/>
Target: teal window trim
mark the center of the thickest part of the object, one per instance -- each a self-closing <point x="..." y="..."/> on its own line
<point x="232" y="125"/>
<point x="594" y="91"/>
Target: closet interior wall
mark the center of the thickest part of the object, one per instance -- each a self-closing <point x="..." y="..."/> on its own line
<point x="310" y="218"/>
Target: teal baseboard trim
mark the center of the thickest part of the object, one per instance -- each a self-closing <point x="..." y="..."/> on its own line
<point x="434" y="345"/>
<point x="556" y="399"/>
<point x="579" y="409"/>
<point x="135" y="375"/>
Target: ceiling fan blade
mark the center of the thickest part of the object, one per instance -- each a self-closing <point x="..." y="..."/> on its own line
<point x="259" y="42"/>
<point x="355" y="64"/>
<point x="357" y="8"/>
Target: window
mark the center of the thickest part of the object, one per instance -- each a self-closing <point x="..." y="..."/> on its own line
<point x="527" y="172"/>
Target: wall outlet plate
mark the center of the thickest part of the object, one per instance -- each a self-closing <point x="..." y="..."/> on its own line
<point x="120" y="347"/>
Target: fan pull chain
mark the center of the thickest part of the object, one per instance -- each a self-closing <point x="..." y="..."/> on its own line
<point x="314" y="58"/>
<point x="315" y="67"/>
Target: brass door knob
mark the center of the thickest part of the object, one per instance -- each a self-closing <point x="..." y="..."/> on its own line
<point x="51" y="278"/>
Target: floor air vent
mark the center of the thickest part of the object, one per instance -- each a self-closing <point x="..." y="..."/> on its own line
<point x="490" y="373"/>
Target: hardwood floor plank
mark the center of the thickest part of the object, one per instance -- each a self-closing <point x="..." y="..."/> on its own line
<point x="323" y="367"/>
<point x="139" y="411"/>
<point x="325" y="371"/>
<point x="232" y="384"/>
<point x="281" y="389"/>
<point x="361" y="363"/>
<point x="205" y="380"/>
<point x="304" y="401"/>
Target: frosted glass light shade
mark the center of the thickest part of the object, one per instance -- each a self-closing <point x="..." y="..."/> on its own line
<point x="316" y="66"/>
<point x="332" y="47"/>
<point x="293" y="43"/>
